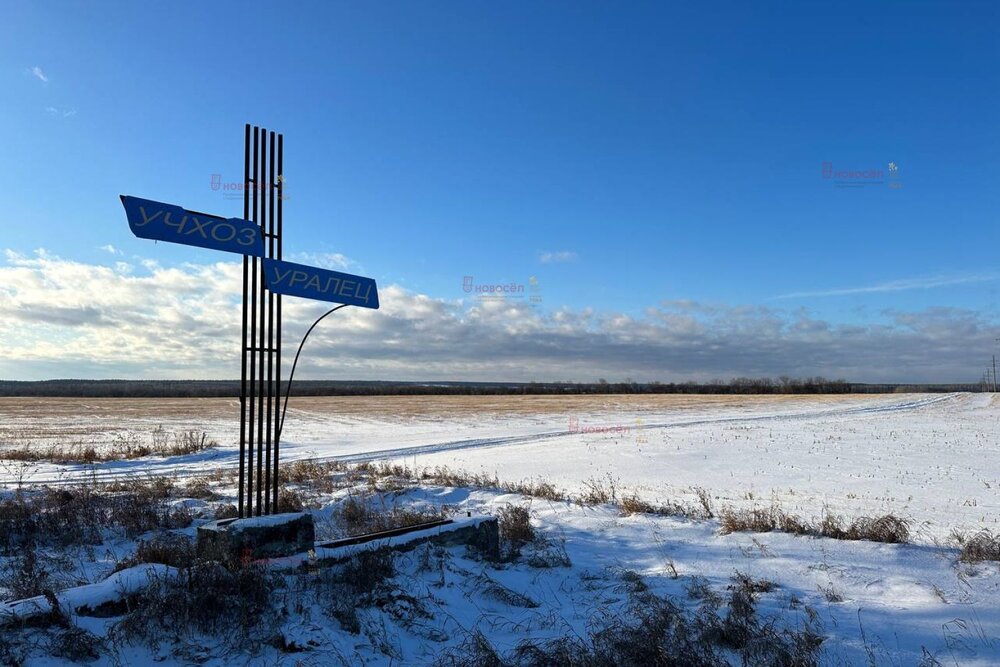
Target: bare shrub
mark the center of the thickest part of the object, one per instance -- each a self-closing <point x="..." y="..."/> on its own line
<point x="599" y="492"/>
<point x="189" y="442"/>
<point x="755" y="520"/>
<point x="125" y="445"/>
<point x="515" y="526"/>
<point x="750" y="585"/>
<point x="982" y="546"/>
<point x="206" y="599"/>
<point x="545" y="554"/>
<point x="633" y="505"/>
<point x="832" y="526"/>
<point x="831" y="594"/>
<point x="705" y="498"/>
<point x="199" y="488"/>
<point x="319" y="476"/>
<point x="789" y="523"/>
<point x="25" y="575"/>
<point x="166" y="548"/>
<point x="889" y="528"/>
<point x="227" y="511"/>
<point x="656" y="631"/>
<point x="84" y="514"/>
<point x="475" y="651"/>
<point x="75" y="644"/>
<point x="364" y="572"/>
<point x="528" y="487"/>
<point x="289" y="500"/>
<point x="359" y="515"/>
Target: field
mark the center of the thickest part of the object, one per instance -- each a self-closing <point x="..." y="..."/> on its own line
<point x="926" y="457"/>
<point x="651" y="485"/>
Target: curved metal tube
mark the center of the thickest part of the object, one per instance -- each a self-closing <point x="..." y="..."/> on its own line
<point x="288" y="387"/>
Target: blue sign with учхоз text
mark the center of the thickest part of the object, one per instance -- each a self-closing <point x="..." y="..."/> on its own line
<point x="168" y="222"/>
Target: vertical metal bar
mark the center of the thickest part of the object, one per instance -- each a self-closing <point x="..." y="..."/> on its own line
<point x="277" y="374"/>
<point x="269" y="490"/>
<point x="253" y="337"/>
<point x="262" y="193"/>
<point x="243" y="356"/>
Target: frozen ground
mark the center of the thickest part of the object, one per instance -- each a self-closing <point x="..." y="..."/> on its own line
<point x="925" y="457"/>
<point x="875" y="604"/>
<point x="928" y="458"/>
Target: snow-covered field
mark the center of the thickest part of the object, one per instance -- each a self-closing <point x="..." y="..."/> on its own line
<point x="924" y="457"/>
<point x="928" y="458"/>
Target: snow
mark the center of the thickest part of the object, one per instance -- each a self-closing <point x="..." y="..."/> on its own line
<point x="928" y="458"/>
<point x="236" y="525"/>
<point x="117" y="586"/>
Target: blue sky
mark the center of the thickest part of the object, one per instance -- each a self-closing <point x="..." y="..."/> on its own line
<point x="630" y="157"/>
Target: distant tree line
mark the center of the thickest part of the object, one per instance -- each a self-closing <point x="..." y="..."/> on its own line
<point x="231" y="388"/>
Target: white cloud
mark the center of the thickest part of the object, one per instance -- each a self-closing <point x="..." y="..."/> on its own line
<point x="324" y="260"/>
<point x="53" y="111"/>
<point x="899" y="285"/>
<point x="111" y="249"/>
<point x="37" y="72"/>
<point x="62" y="318"/>
<point x="548" y="257"/>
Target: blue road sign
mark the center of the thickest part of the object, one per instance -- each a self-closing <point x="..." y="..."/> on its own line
<point x="312" y="283"/>
<point x="168" y="222"/>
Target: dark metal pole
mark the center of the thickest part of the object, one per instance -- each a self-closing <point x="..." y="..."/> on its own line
<point x="268" y="492"/>
<point x="262" y="193"/>
<point x="246" y="276"/>
<point x="288" y="388"/>
<point x="277" y="375"/>
<point x="253" y="336"/>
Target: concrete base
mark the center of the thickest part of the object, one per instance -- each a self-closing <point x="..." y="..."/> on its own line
<point x="481" y="533"/>
<point x="254" y="538"/>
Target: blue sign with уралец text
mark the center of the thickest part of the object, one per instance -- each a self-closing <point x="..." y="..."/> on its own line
<point x="155" y="220"/>
<point x="314" y="283"/>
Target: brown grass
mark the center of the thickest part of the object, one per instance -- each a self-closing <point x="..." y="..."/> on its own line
<point x="515" y="526"/>
<point x="125" y="446"/>
<point x="889" y="528"/>
<point x="358" y="515"/>
<point x="166" y="548"/>
<point x="982" y="546"/>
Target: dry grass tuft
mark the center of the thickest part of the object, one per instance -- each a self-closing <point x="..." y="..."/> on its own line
<point x="982" y="546"/>
<point x="86" y="514"/>
<point x="515" y="529"/>
<point x="124" y="446"/>
<point x="166" y="548"/>
<point x="207" y="599"/>
<point x="889" y="528"/>
<point x="359" y="515"/>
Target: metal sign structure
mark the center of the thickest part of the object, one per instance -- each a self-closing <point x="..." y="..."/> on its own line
<point x="266" y="278"/>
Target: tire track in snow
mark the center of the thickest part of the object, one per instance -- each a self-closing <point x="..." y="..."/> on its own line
<point x="197" y="464"/>
<point x="479" y="443"/>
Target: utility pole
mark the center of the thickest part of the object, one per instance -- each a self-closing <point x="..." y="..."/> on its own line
<point x="995" y="368"/>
